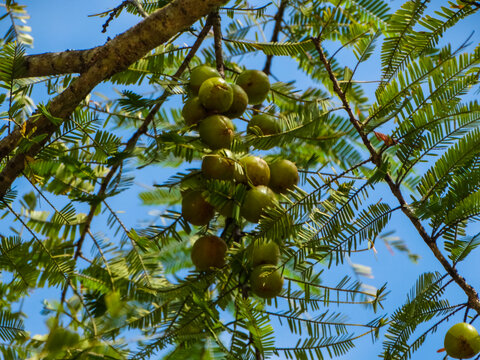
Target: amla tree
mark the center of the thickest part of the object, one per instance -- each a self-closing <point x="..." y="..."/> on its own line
<point x="140" y="296"/>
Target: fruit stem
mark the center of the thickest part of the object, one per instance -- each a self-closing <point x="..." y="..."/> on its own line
<point x="229" y="221"/>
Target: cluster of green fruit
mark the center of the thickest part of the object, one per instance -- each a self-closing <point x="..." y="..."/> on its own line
<point x="212" y="104"/>
<point x="251" y="170"/>
<point x="266" y="280"/>
<point x="462" y="341"/>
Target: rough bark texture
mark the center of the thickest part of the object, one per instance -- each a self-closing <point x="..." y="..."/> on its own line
<point x="102" y="63"/>
<point x="67" y="62"/>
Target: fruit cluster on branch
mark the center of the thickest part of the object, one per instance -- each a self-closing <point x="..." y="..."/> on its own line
<point x="212" y="104"/>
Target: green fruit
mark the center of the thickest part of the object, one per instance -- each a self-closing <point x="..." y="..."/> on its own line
<point x="199" y="74"/>
<point x="216" y="166"/>
<point x="266" y="282"/>
<point x="60" y="338"/>
<point x="209" y="251"/>
<point x="255" y="169"/>
<point x="256" y="85"/>
<point x="216" y="131"/>
<point x="462" y="341"/>
<point x="239" y="104"/>
<point x="283" y="176"/>
<point x="216" y="94"/>
<point x="265" y="253"/>
<point x="226" y="209"/>
<point x="114" y="303"/>
<point x="267" y="124"/>
<point x="195" y="209"/>
<point x="255" y="202"/>
<point x="193" y="111"/>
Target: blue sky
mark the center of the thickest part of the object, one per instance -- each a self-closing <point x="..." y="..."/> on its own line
<point x="61" y="25"/>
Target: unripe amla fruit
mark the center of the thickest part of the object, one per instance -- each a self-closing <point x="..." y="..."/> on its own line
<point x="226" y="209"/>
<point x="217" y="166"/>
<point x="462" y="341"/>
<point x="60" y="339"/>
<point x="255" y="169"/>
<point x="216" y="131"/>
<point x="199" y="74"/>
<point x="195" y="209"/>
<point x="209" y="252"/>
<point x="216" y="94"/>
<point x="266" y="281"/>
<point x="267" y="124"/>
<point x="193" y="111"/>
<point x="239" y="104"/>
<point x="256" y="85"/>
<point x="283" y="175"/>
<point x="264" y="253"/>
<point x="255" y="202"/>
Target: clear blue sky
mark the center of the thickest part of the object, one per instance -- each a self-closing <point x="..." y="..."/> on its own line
<point x="58" y="25"/>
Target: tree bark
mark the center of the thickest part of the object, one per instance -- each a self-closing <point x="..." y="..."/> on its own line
<point x="59" y="63"/>
<point x="100" y="64"/>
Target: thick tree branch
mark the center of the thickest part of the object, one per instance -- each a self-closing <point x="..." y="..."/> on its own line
<point x="110" y="59"/>
<point x="67" y="62"/>
<point x="473" y="300"/>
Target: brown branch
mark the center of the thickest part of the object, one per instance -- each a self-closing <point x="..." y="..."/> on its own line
<point x="114" y="12"/>
<point x="473" y="300"/>
<point x="58" y="63"/>
<point x="110" y="59"/>
<point x="132" y="142"/>
<point x="276" y="31"/>
<point x="217" y="41"/>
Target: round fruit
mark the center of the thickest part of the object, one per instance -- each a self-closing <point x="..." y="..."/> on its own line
<point x="216" y="131"/>
<point x="462" y="341"/>
<point x="255" y="169"/>
<point x="256" y="200"/>
<point x="266" y="123"/>
<point x="256" y="85"/>
<point x="239" y="104"/>
<point x="209" y="251"/>
<point x="227" y="209"/>
<point x="266" y="282"/>
<point x="199" y="74"/>
<point x="216" y="166"/>
<point x="216" y="94"/>
<point x="265" y="253"/>
<point x="193" y="111"/>
<point x="60" y="338"/>
<point x="283" y="175"/>
<point x="195" y="209"/>
<point x="114" y="303"/>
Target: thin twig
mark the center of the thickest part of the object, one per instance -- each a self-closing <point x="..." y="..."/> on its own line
<point x="132" y="142"/>
<point x="276" y="31"/>
<point x="376" y="158"/>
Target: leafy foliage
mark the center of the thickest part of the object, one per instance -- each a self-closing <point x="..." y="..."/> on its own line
<point x="136" y="295"/>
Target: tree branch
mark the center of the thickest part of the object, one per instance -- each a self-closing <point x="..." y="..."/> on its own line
<point x="108" y="60"/>
<point x="276" y="31"/>
<point x="217" y="44"/>
<point x="473" y="300"/>
<point x="132" y="142"/>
